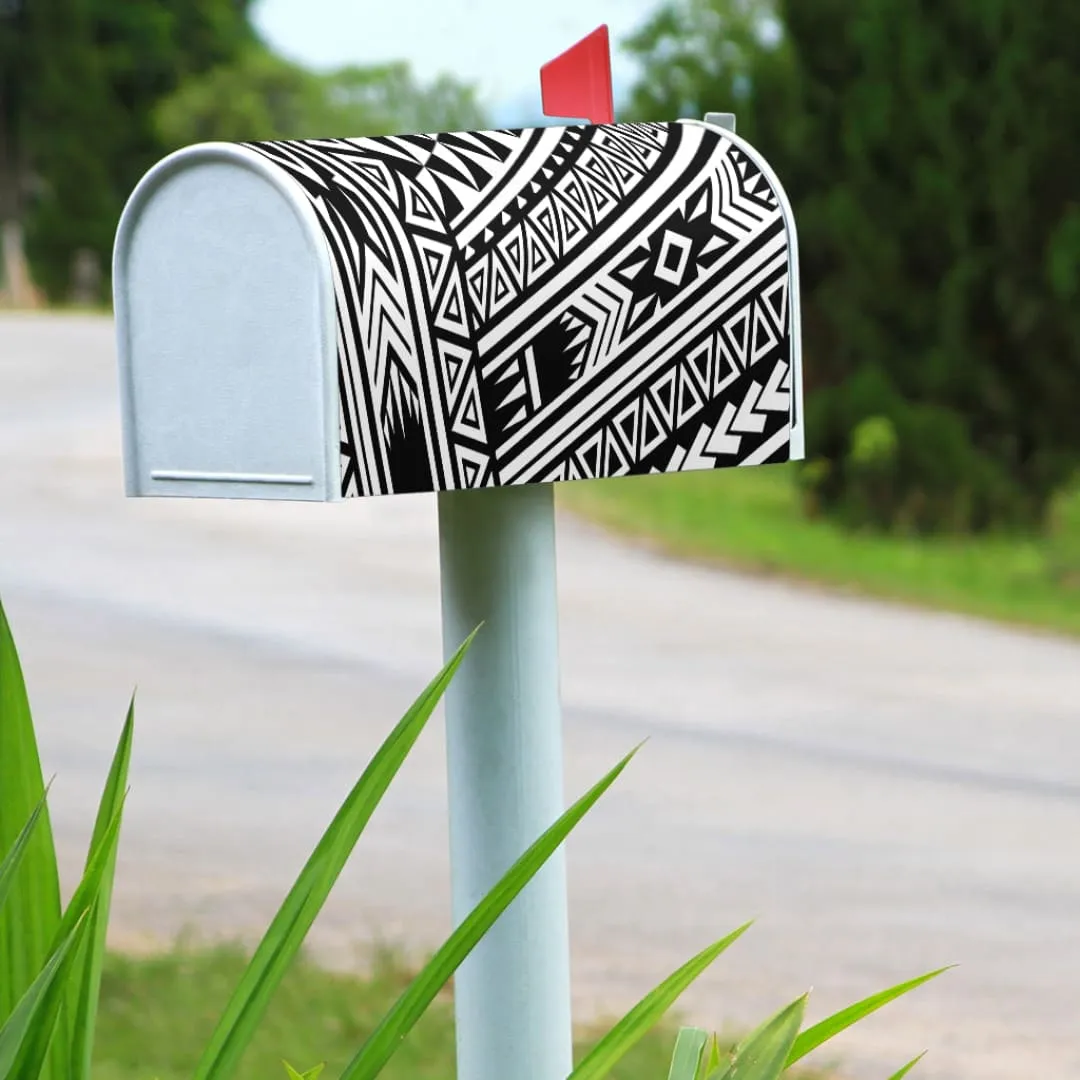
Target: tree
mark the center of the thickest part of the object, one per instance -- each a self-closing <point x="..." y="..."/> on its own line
<point x="261" y="96"/>
<point x="79" y="80"/>
<point x="931" y="150"/>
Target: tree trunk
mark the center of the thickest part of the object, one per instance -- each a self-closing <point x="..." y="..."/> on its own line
<point x="16" y="288"/>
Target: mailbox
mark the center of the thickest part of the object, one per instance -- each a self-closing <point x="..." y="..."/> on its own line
<point x="328" y="318"/>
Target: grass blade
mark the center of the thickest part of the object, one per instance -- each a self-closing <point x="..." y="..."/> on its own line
<point x="410" y="1006"/>
<point x="38" y="1000"/>
<point x="814" y="1036"/>
<point x="712" y="1060"/>
<point x="31" y="915"/>
<point x="908" y="1067"/>
<point x="79" y="914"/>
<point x="637" y="1022"/>
<point x="86" y="978"/>
<point x="686" y="1057"/>
<point x="763" y="1054"/>
<point x="286" y="934"/>
<point x="311" y="1074"/>
<point x="12" y="859"/>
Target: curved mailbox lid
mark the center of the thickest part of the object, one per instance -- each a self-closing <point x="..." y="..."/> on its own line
<point x="553" y="303"/>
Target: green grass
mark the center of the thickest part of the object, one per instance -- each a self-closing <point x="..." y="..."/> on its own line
<point x="158" y="1011"/>
<point x="751" y="519"/>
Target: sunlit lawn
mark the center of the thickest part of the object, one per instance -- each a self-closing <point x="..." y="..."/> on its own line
<point x="751" y="519"/>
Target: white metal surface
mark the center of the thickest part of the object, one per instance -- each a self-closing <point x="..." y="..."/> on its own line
<point x="505" y="769"/>
<point x="224" y="294"/>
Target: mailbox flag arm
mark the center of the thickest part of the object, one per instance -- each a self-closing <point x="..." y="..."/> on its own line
<point x="577" y="83"/>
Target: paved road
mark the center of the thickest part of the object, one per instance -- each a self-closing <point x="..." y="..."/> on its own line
<point x="884" y="790"/>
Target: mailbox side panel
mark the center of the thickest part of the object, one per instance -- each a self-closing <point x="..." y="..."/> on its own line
<point x="555" y="303"/>
<point x="225" y="321"/>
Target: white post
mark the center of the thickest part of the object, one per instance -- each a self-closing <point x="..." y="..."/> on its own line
<point x="504" y="751"/>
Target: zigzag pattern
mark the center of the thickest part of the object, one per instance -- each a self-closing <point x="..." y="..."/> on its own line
<point x="552" y="304"/>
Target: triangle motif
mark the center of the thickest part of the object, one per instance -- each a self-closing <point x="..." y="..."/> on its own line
<point x="626" y="425"/>
<point x="689" y="400"/>
<point x="589" y="455"/>
<point x="737" y="334"/>
<point x="653" y="429"/>
<point x="775" y="300"/>
<point x="699" y="363"/>
<point x="663" y="394"/>
<point x="468" y="421"/>
<point x="615" y="459"/>
<point x="764" y="338"/>
<point x="450" y="313"/>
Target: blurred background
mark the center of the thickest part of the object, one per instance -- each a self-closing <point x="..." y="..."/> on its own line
<point x="930" y="154"/>
<point x="860" y="673"/>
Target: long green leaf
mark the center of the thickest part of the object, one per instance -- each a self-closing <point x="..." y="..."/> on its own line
<point x="38" y="1000"/>
<point x="14" y="857"/>
<point x="820" y="1033"/>
<point x="29" y="919"/>
<point x="762" y="1055"/>
<point x="908" y="1067"/>
<point x="86" y="980"/>
<point x="686" y="1057"/>
<point x="286" y="934"/>
<point x="637" y="1022"/>
<point x="35" y="1053"/>
<point x="410" y="1006"/>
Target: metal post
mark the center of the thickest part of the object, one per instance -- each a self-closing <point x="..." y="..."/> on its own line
<point x="504" y="755"/>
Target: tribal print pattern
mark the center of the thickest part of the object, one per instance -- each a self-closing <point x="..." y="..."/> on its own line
<point x="553" y="304"/>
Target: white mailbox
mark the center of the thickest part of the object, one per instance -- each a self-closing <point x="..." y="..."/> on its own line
<point x="338" y="317"/>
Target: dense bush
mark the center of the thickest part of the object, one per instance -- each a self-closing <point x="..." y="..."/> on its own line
<point x="900" y="465"/>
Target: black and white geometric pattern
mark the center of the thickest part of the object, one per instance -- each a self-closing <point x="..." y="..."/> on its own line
<point x="552" y="304"/>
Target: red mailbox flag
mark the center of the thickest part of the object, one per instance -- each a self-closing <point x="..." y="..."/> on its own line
<point x="577" y="83"/>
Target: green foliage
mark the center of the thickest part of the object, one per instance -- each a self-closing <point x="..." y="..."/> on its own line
<point x="1063" y="534"/>
<point x="30" y="916"/>
<point x="51" y="971"/>
<point x="285" y="936"/>
<point x="902" y="1072"/>
<point x="633" y="1026"/>
<point x="929" y="151"/>
<point x="809" y="1040"/>
<point x="158" y="1011"/>
<point x="687" y="1057"/>
<point x="93" y="92"/>
<point x="311" y="1074"/>
<point x="50" y="963"/>
<point x="777" y="1044"/>
<point x="763" y="1054"/>
<point x="261" y="96"/>
<point x="258" y="93"/>
<point x="81" y="101"/>
<point x="906" y="466"/>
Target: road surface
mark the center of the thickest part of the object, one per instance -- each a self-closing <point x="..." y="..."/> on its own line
<point x="883" y="790"/>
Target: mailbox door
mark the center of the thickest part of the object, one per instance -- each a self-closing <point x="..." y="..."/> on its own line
<point x="226" y="333"/>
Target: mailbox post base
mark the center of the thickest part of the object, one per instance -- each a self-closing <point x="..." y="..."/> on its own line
<point x="504" y="752"/>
